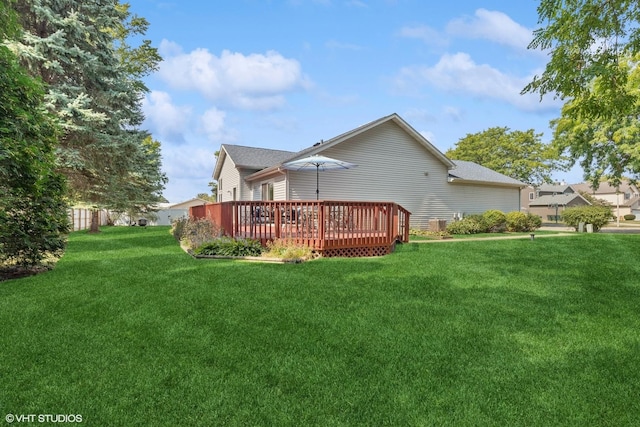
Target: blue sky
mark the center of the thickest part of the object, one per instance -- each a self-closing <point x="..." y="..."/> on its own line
<point x="286" y="74"/>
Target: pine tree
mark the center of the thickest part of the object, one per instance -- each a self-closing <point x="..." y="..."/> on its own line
<point x="79" y="49"/>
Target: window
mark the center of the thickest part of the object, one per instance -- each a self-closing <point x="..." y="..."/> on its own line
<point x="267" y="191"/>
<point x="531" y="196"/>
<point x="234" y="193"/>
<point x="220" y="190"/>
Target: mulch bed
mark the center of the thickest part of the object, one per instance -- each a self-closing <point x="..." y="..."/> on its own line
<point x="17" y="272"/>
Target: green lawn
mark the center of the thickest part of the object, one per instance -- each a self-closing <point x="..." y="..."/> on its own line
<point x="128" y="330"/>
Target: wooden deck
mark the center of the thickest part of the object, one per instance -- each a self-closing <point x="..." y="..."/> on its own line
<point x="333" y="228"/>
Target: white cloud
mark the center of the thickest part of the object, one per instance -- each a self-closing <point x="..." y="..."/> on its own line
<point x="424" y="33"/>
<point x="164" y="119"/>
<point x="254" y="81"/>
<point x="458" y="73"/>
<point x="213" y="125"/>
<point x="494" y="26"/>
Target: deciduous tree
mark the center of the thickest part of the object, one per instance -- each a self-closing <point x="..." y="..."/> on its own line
<point x="33" y="214"/>
<point x="594" y="47"/>
<point x="520" y="155"/>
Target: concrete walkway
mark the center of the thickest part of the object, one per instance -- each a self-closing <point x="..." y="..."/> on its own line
<point x="562" y="230"/>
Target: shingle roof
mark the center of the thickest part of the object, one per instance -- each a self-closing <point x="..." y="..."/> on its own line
<point x="469" y="171"/>
<point x="554" y="188"/>
<point x="560" y="199"/>
<point x="604" y="188"/>
<point x="254" y="157"/>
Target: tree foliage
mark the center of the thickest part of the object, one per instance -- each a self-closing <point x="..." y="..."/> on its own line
<point x="594" y="49"/>
<point x="80" y="49"/>
<point x="520" y="155"/>
<point x="33" y="214"/>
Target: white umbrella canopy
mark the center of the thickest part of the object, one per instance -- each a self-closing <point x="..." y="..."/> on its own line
<point x="317" y="163"/>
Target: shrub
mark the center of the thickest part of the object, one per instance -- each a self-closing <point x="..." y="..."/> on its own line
<point x="520" y="221"/>
<point x="178" y="227"/>
<point x="533" y="222"/>
<point x="495" y="221"/>
<point x="472" y="224"/>
<point x="196" y="232"/>
<point x="287" y="249"/>
<point x="629" y="217"/>
<point x="227" y="246"/>
<point x="596" y="215"/>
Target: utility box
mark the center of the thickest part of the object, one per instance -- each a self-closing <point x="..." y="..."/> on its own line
<point x="437" y="225"/>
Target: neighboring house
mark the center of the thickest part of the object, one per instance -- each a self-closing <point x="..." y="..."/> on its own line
<point x="395" y="163"/>
<point x="625" y="199"/>
<point x="549" y="200"/>
<point x="168" y="212"/>
<point x="163" y="214"/>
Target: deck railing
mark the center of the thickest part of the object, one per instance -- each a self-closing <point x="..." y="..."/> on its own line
<point x="326" y="226"/>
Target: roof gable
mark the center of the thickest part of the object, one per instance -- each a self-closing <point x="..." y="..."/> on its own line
<point x="249" y="157"/>
<point x="324" y="145"/>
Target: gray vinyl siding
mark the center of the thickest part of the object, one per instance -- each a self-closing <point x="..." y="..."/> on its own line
<point x="233" y="178"/>
<point x="230" y="178"/>
<point x="476" y="199"/>
<point x="280" y="188"/>
<point x="391" y="167"/>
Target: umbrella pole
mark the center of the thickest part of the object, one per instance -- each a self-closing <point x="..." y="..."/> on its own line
<point x="317" y="182"/>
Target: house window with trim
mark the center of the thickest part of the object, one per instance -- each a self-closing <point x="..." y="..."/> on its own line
<point x="220" y="190"/>
<point x="531" y="195"/>
<point x="267" y="191"/>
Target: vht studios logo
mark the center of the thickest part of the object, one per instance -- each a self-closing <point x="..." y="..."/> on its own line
<point x="43" y="418"/>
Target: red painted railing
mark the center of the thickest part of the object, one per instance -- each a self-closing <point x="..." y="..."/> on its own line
<point x="321" y="224"/>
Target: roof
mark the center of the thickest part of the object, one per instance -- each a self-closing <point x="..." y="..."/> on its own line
<point x="265" y="161"/>
<point x="560" y="199"/>
<point x="605" y="188"/>
<point x="323" y="145"/>
<point x="473" y="172"/>
<point x="555" y="188"/>
<point x="251" y="157"/>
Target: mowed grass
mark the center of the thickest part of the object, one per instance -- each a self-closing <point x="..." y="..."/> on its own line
<point x="128" y="330"/>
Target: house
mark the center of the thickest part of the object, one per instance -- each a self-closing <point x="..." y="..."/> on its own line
<point x="625" y="199"/>
<point x="549" y="200"/>
<point x="395" y="163"/>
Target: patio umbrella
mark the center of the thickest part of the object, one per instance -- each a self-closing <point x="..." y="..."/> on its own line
<point x="317" y="163"/>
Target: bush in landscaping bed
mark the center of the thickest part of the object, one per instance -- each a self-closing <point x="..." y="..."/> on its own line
<point x="596" y="215"/>
<point x="520" y="222"/>
<point x="472" y="224"/>
<point x="194" y="232"/>
<point x="629" y="217"/>
<point x="495" y="221"/>
<point x="226" y="246"/>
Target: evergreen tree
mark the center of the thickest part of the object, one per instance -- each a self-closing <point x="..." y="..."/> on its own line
<point x="79" y="49"/>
